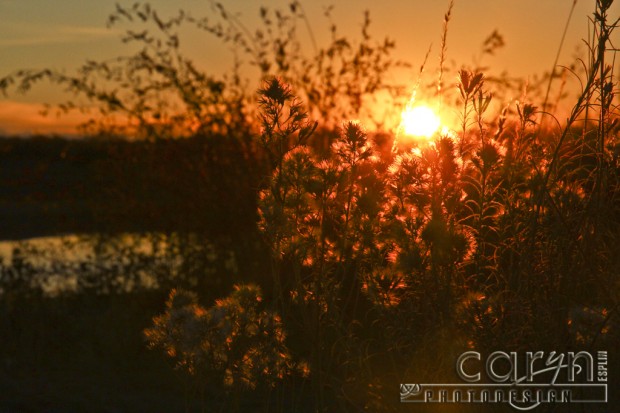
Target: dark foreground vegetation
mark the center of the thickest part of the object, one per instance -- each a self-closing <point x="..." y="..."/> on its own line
<point x="267" y="264"/>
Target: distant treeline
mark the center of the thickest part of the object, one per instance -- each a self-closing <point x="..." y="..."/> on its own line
<point x="53" y="185"/>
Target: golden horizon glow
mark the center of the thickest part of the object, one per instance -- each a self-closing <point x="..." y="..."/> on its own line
<point x="18" y="118"/>
<point x="420" y="121"/>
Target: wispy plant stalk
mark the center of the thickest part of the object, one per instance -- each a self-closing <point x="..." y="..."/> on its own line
<point x="442" y="54"/>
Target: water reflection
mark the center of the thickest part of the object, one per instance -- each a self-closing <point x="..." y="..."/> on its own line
<point x="110" y="263"/>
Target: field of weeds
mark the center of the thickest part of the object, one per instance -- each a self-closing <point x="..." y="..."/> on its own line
<point x="287" y="248"/>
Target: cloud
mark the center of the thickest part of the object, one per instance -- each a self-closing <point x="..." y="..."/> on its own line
<point x="31" y="35"/>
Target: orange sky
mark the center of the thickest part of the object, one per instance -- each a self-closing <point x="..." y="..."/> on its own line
<point x="25" y="117"/>
<point x="64" y="33"/>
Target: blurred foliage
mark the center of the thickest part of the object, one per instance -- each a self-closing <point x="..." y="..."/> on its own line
<point x="234" y="343"/>
<point x="159" y="92"/>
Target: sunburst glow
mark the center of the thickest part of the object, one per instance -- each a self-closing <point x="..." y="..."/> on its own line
<point x="420" y="121"/>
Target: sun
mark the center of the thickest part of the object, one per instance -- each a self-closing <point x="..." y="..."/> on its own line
<point x="420" y="121"/>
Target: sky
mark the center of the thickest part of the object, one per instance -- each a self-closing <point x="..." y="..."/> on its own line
<point x="65" y="33"/>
